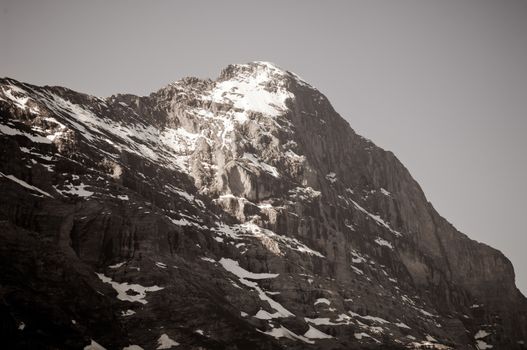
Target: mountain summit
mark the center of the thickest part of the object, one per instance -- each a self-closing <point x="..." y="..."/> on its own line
<point x="239" y="213"/>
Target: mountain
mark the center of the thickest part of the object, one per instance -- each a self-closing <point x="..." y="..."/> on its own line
<point x="236" y="213"/>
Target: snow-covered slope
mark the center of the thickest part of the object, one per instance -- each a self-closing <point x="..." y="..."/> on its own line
<point x="239" y="213"/>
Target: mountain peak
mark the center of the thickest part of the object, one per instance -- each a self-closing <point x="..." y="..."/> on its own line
<point x="256" y="86"/>
<point x="262" y="71"/>
<point x="261" y="68"/>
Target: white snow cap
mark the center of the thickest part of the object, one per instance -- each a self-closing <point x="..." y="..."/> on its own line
<point x="257" y="87"/>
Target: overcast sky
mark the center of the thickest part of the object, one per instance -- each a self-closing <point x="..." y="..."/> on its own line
<point x="442" y="84"/>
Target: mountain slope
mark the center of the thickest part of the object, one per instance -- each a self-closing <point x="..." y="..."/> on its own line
<point x="237" y="213"/>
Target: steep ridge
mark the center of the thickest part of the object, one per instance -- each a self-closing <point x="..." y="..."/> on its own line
<point x="240" y="213"/>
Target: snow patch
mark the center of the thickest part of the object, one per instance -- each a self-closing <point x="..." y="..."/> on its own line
<point x="19" y="101"/>
<point x="123" y="288"/>
<point x="94" y="346"/>
<point x="369" y="318"/>
<point x="385" y="192"/>
<point x="118" y="265"/>
<point x="322" y="301"/>
<point x="331" y="177"/>
<point x="25" y="184"/>
<point x="313" y="333"/>
<point x="363" y="335"/>
<point x="76" y="190"/>
<point x="376" y="218"/>
<point x="233" y="267"/>
<point x="481" y="334"/>
<point x="127" y="313"/>
<point x="268" y="238"/>
<point x="7" y="130"/>
<point x="383" y="242"/>
<point x="402" y="325"/>
<point x="481" y="345"/>
<point x="161" y="265"/>
<point x="357" y="270"/>
<point x="165" y="342"/>
<point x="283" y="332"/>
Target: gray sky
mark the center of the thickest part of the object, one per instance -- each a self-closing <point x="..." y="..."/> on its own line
<point x="442" y="84"/>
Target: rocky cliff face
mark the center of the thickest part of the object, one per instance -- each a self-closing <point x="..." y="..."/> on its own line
<point x="240" y="213"/>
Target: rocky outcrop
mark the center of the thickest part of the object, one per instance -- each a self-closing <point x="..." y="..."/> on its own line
<point x="230" y="214"/>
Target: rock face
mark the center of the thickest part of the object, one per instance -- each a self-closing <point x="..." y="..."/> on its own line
<point x="240" y="213"/>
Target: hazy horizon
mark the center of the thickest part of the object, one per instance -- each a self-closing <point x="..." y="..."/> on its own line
<point x="443" y="85"/>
